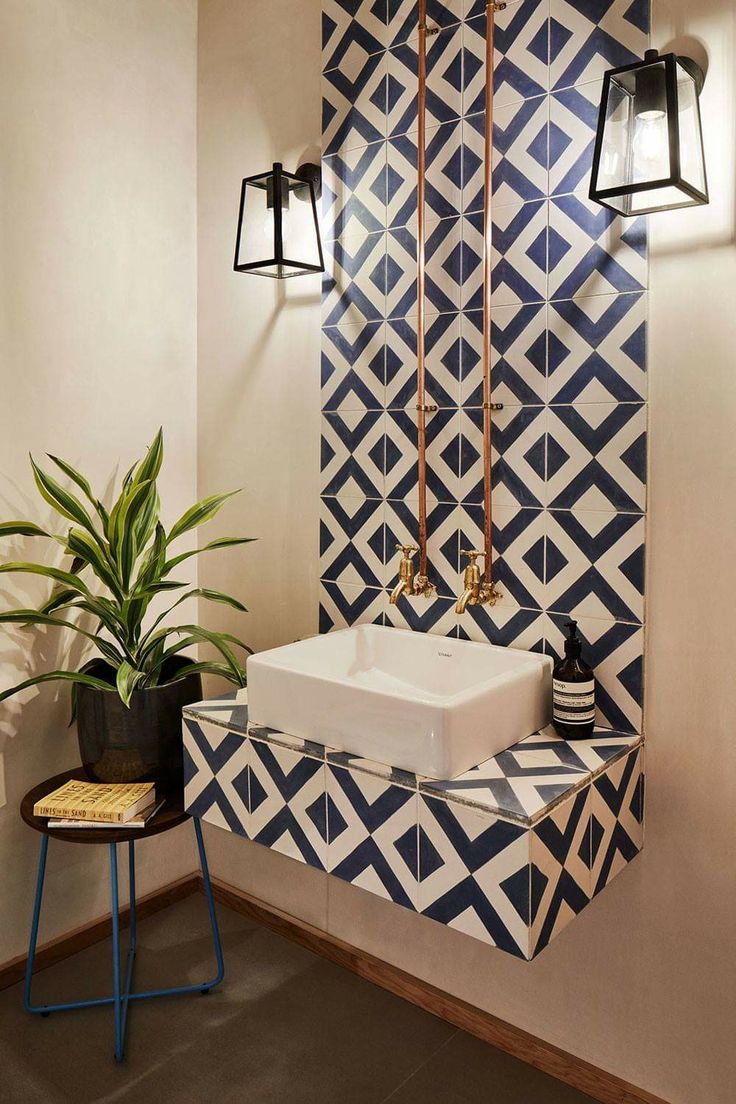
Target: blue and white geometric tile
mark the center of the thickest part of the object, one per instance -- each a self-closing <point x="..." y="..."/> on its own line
<point x="518" y="784"/>
<point x="519" y="356"/>
<point x="521" y="54"/>
<point x="442" y="349"/>
<point x="286" y="740"/>
<point x="617" y="818"/>
<point x="353" y="367"/>
<point x="518" y="551"/>
<point x="595" y="564"/>
<point x="426" y="615"/>
<point x="597" y="457"/>
<point x="216" y="775"/>
<point x="615" y="649"/>
<point x="403" y="17"/>
<point x="354" y="282"/>
<point x="353" y="453"/>
<point x="474" y="874"/>
<point x="288" y="803"/>
<point x="504" y="624"/>
<point x="443" y="455"/>
<point x="342" y="605"/>
<point x="444" y="93"/>
<point x="519" y="255"/>
<point x="354" y="102"/>
<point x="443" y="196"/>
<point x="402" y="527"/>
<point x="372" y="831"/>
<point x="351" y="28"/>
<point x="519" y="453"/>
<point x="573" y="120"/>
<point x="354" y="191"/>
<point x="588" y="38"/>
<point x="519" y="154"/>
<point x="443" y="289"/>
<point x="560" y="868"/>
<point x="351" y="762"/>
<point x="597" y="349"/>
<point x="351" y="541"/>
<point x="228" y="710"/>
<point x="591" y="755"/>
<point x="593" y="251"/>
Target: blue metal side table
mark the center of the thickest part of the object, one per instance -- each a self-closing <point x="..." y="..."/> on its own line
<point x="170" y="816"/>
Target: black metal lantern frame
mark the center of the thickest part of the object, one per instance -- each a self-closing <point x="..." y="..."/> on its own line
<point x="269" y="196"/>
<point x="650" y="87"/>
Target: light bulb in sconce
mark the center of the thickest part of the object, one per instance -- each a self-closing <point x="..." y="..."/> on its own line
<point x="651" y="140"/>
<point x="267" y="226"/>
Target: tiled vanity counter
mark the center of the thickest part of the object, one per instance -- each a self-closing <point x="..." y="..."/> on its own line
<point x="508" y="853"/>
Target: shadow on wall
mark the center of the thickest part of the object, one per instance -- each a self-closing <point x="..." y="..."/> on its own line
<point x="714" y="226"/>
<point x="26" y="652"/>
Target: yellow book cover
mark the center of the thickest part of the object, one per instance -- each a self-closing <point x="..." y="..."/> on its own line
<point x="105" y="802"/>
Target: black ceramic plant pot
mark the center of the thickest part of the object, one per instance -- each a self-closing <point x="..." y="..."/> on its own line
<point x="142" y="743"/>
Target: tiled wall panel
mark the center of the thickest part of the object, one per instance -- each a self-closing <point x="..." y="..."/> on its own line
<point x="569" y="337"/>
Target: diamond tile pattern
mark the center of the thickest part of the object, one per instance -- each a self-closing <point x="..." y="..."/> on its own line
<point x="569" y="306"/>
<point x="508" y="854"/>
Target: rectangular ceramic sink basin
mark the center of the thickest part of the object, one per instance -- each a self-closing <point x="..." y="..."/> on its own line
<point x="424" y="703"/>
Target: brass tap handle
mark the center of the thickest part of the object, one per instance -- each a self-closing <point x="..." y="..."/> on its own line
<point x="407" y="550"/>
<point x="472" y="554"/>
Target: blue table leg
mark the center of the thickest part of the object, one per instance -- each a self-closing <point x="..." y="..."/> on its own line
<point x="122" y="994"/>
<point x="211" y="906"/>
<point x="34" y="929"/>
<point x="117" y="995"/>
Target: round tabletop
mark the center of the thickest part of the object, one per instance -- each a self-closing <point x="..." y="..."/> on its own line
<point x="169" y="816"/>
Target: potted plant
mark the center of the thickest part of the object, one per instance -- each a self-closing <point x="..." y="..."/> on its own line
<point x="128" y="698"/>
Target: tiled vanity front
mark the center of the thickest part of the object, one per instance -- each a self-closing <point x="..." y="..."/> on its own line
<point x="508" y="853"/>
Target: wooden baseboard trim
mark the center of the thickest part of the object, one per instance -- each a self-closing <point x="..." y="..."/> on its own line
<point x="597" y="1083"/>
<point x="65" y="945"/>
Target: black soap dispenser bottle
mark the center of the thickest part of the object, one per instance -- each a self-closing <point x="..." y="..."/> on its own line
<point x="573" y="691"/>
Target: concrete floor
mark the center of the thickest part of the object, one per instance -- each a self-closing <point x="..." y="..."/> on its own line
<point x="286" y="1028"/>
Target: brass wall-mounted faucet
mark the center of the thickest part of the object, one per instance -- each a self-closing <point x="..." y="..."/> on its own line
<point x="410" y="584"/>
<point x="476" y="593"/>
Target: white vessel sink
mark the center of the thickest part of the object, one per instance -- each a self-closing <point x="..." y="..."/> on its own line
<point x="424" y="703"/>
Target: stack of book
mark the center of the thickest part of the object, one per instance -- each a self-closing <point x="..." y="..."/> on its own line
<point x="99" y="805"/>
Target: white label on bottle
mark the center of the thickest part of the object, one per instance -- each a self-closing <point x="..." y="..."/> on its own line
<point x="573" y="702"/>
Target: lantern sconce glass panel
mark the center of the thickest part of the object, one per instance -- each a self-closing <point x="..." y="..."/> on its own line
<point x="648" y="152"/>
<point x="278" y="225"/>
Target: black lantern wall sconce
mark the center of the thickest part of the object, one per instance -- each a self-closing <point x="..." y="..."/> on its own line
<point x="278" y="225"/>
<point x="648" y="152"/>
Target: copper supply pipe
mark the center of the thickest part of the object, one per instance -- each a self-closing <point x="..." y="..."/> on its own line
<point x="491" y="8"/>
<point x="421" y="262"/>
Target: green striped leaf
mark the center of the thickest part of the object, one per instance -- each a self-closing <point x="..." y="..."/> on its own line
<point x="127" y="680"/>
<point x="124" y="529"/>
<point x="221" y="542"/>
<point x="73" y="582"/>
<point x="82" y="545"/>
<point x="63" y="501"/>
<point x="22" y="529"/>
<point x="57" y="676"/>
<point x="150" y="465"/>
<point x="199" y="513"/>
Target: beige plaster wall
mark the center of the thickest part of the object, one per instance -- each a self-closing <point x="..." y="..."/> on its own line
<point x="97" y="346"/>
<point x="259" y="339"/>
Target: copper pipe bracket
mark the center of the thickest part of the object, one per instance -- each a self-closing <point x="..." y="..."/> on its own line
<point x="427" y="408"/>
<point x="493" y="406"/>
<point x="431" y="30"/>
<point x="495" y="7"/>
<point x="423" y="587"/>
